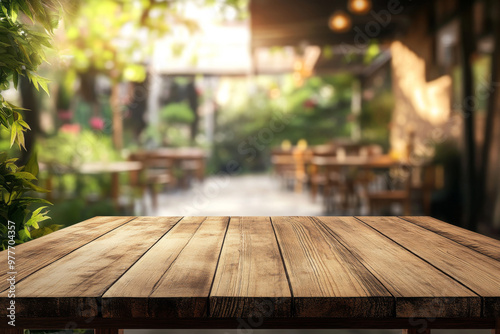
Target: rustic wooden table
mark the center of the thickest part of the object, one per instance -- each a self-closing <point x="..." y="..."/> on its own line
<point x="111" y="273"/>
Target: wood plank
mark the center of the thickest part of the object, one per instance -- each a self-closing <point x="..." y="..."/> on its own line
<point x="478" y="242"/>
<point x="128" y="297"/>
<point x="250" y="278"/>
<point x="420" y="289"/>
<point x="32" y="255"/>
<point x="73" y="285"/>
<point x="478" y="272"/>
<point x="184" y="289"/>
<point x="326" y="280"/>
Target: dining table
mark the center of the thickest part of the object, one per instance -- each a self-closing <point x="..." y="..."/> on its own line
<point x="112" y="168"/>
<point x="282" y="272"/>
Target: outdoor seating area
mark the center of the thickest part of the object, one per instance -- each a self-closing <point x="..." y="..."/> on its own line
<point x="351" y="178"/>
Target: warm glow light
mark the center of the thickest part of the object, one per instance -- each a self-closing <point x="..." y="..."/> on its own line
<point x="286" y="145"/>
<point x="302" y="144"/>
<point x="431" y="100"/>
<point x="339" y="21"/>
<point x="360" y="7"/>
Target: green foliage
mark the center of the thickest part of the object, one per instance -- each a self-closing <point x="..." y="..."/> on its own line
<point x="177" y="113"/>
<point x="25" y="30"/>
<point x="16" y="183"/>
<point x="316" y="111"/>
<point x="22" y="51"/>
<point x="71" y="150"/>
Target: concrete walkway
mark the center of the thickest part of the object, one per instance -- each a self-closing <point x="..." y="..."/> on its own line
<point x="248" y="195"/>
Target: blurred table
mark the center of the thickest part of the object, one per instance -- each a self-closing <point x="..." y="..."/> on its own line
<point x="96" y="168"/>
<point x="110" y="273"/>
<point x="382" y="161"/>
<point x="184" y="158"/>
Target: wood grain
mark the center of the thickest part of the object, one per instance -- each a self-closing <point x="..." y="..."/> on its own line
<point x="420" y="289"/>
<point x="478" y="242"/>
<point x="128" y="297"/>
<point x="184" y="289"/>
<point x="73" y="285"/>
<point x="476" y="271"/>
<point x="41" y="252"/>
<point x="250" y="278"/>
<point x="326" y="280"/>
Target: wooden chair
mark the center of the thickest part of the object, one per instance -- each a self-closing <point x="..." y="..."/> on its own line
<point x="318" y="177"/>
<point x="283" y="165"/>
<point x="385" y="198"/>
<point x="157" y="172"/>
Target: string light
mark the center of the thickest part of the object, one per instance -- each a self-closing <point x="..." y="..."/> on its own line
<point x="340" y="21"/>
<point x="359" y="7"/>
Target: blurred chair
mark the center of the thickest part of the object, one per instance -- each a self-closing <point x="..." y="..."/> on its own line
<point x="385" y="198"/>
<point x="318" y="176"/>
<point x="157" y="172"/>
<point x="192" y="169"/>
<point x="283" y="165"/>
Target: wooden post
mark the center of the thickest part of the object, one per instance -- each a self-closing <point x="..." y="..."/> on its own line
<point x="117" y="117"/>
<point x="497" y="329"/>
<point x="115" y="189"/>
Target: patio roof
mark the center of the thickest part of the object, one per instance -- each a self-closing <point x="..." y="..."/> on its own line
<point x="295" y="22"/>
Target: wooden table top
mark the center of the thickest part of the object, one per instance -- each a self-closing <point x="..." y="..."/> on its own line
<point x="223" y="267"/>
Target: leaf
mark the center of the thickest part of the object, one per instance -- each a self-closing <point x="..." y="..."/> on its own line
<point x="25" y="175"/>
<point x="35" y="187"/>
<point x="13" y="133"/>
<point x="32" y="164"/>
<point x="24" y="234"/>
<point x="43" y="83"/>
<point x="15" y="79"/>
<point x="31" y="200"/>
<point x="37" y="217"/>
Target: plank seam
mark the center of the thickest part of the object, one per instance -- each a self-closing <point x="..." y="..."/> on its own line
<point x="320" y="222"/>
<point x="155" y="286"/>
<point x="292" y="301"/>
<point x="217" y="266"/>
<point x="444" y="236"/>
<point x="48" y="264"/>
<point x="456" y="280"/>
<point x="116" y="280"/>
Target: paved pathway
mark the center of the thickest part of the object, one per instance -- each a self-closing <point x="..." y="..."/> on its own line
<point x="248" y="195"/>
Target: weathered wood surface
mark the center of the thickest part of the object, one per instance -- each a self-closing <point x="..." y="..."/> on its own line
<point x="176" y="268"/>
<point x="420" y="289"/>
<point x="251" y="278"/>
<point x="476" y="271"/>
<point x="74" y="284"/>
<point x="35" y="255"/>
<point x="326" y="280"/>
<point x="476" y="241"/>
